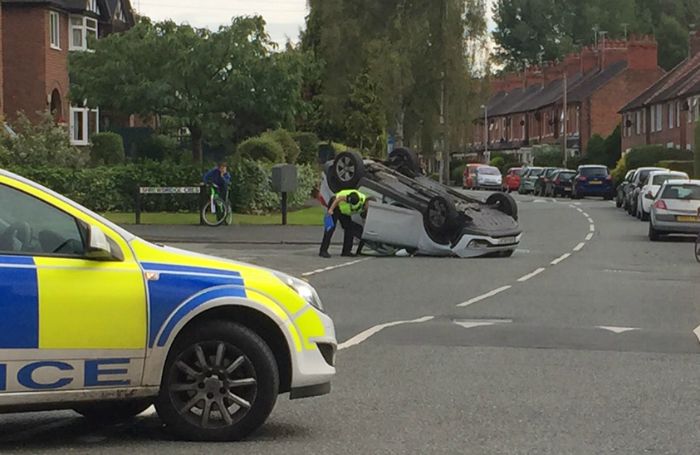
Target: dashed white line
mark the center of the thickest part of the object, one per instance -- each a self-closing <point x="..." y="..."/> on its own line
<point x="481" y="323"/>
<point x="580" y="210"/>
<point x="580" y="246"/>
<point x="561" y="259"/>
<point x="530" y="276"/>
<point x="363" y="336"/>
<point x="485" y="296"/>
<point x="334" y="267"/>
<point x="697" y="332"/>
<point x="585" y="214"/>
<point x="592" y="227"/>
<point x="617" y="330"/>
<point x="589" y="237"/>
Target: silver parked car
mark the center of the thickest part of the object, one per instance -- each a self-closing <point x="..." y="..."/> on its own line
<point x="489" y="178"/>
<point x="676" y="209"/>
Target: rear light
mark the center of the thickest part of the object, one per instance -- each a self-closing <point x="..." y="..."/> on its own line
<point x="608" y="178"/>
<point x="582" y="179"/>
<point x="557" y="182"/>
<point x="660" y="204"/>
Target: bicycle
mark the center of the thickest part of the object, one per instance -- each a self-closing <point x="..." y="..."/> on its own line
<point x="217" y="210"/>
<point x="697" y="248"/>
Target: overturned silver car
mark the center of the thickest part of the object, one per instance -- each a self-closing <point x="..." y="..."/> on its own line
<point x="413" y="212"/>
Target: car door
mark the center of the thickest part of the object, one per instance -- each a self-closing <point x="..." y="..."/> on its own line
<point x="66" y="322"/>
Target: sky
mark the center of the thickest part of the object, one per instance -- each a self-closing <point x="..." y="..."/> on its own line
<point x="285" y="18"/>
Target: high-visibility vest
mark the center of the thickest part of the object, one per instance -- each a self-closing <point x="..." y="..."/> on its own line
<point x="348" y="209"/>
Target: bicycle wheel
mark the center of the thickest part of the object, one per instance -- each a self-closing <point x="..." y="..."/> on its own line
<point x="214" y="212"/>
<point x="228" y="219"/>
<point x="697" y="248"/>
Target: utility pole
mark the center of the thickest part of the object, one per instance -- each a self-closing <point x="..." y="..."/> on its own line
<point x="624" y="26"/>
<point x="486" y="128"/>
<point x="565" y="113"/>
<point x="445" y="125"/>
<point x="691" y="33"/>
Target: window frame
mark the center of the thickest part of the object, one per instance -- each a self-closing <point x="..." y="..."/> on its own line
<point x="55" y="30"/>
<point x="84" y="29"/>
<point x="85" y="113"/>
<point x="671" y="116"/>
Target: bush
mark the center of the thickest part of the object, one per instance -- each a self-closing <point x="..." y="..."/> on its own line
<point x="649" y="155"/>
<point x="457" y="173"/>
<point x="289" y="146"/>
<point x="697" y="150"/>
<point x="262" y="148"/>
<point x="681" y="166"/>
<point x="498" y="162"/>
<point x="548" y="156"/>
<point x="107" y="148"/>
<point x="308" y="145"/>
<point x="158" y="147"/>
<point x="39" y="144"/>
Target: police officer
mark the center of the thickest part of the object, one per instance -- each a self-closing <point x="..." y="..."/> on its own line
<point x="342" y="207"/>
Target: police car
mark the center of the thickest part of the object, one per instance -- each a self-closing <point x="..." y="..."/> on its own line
<point x="97" y="320"/>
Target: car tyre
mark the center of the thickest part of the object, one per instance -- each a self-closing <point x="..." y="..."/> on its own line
<point x="347" y="171"/>
<point x="504" y="203"/>
<point x="654" y="235"/>
<point x="405" y="161"/>
<point x="440" y="218"/>
<point x="113" y="411"/>
<point x="217" y="366"/>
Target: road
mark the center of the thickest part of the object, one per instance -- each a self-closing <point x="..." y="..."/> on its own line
<point x="583" y="342"/>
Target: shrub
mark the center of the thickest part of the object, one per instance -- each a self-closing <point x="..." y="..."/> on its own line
<point x="649" y="155"/>
<point x="290" y="147"/>
<point x="457" y="173"/>
<point x="682" y="166"/>
<point x="41" y="143"/>
<point x="548" y="156"/>
<point x="107" y="148"/>
<point x="308" y="145"/>
<point x="262" y="148"/>
<point x="498" y="162"/>
<point x="158" y="147"/>
<point x="697" y="150"/>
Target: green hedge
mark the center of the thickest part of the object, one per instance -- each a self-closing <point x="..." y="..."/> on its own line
<point x="308" y="144"/>
<point x="262" y="148"/>
<point x="648" y="155"/>
<point x="113" y="188"/>
<point x="681" y="166"/>
<point x="697" y="150"/>
<point x="289" y="146"/>
<point x="107" y="148"/>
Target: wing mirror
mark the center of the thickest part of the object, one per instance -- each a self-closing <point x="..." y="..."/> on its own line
<point x="99" y="247"/>
<point x="649" y="196"/>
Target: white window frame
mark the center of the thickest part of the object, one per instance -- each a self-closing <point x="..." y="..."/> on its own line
<point x="55" y="30"/>
<point x="678" y="114"/>
<point x="671" y="116"/>
<point x="85" y="112"/>
<point x="638" y="122"/>
<point x="657" y="118"/>
<point x="84" y="29"/>
<point x="119" y="12"/>
<point x="92" y="6"/>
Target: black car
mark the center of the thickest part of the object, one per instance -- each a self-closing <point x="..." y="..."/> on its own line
<point x="560" y="184"/>
<point x="622" y="188"/>
<point x="543" y="179"/>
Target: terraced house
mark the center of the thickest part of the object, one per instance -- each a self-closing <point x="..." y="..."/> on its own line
<point x="666" y="112"/>
<point x="37" y="37"/>
<point x="527" y="108"/>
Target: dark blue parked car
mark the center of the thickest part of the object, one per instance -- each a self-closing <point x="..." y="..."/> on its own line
<point x="593" y="180"/>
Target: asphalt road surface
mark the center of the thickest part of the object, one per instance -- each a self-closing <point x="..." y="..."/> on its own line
<point x="582" y="342"/>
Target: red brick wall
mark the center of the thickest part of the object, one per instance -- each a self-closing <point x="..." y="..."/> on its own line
<point x="2" y="105"/>
<point x="56" y="76"/>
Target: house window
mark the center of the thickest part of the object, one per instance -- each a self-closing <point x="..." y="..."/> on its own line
<point x="55" y="30"/>
<point x="84" y="122"/>
<point x="93" y="7"/>
<point x="657" y="117"/>
<point x="678" y="114"/>
<point x="638" y="122"/>
<point x="671" y="116"/>
<point x="119" y="13"/>
<point x="82" y="31"/>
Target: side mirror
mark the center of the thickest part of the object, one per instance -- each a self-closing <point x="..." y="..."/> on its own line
<point x="98" y="247"/>
<point x="649" y="196"/>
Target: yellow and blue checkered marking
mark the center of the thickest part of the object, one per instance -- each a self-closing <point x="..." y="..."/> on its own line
<point x="19" y="303"/>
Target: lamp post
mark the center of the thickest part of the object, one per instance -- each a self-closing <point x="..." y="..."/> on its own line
<point x="486" y="128"/>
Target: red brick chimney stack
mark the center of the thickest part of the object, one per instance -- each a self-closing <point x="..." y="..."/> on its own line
<point x="642" y="53"/>
<point x="572" y="64"/>
<point x="552" y="71"/>
<point x="589" y="60"/>
<point x="613" y="52"/>
<point x="533" y="76"/>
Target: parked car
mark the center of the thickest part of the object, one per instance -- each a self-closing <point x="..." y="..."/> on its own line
<point x="560" y="184"/>
<point x="512" y="179"/>
<point x="676" y="209"/>
<point x="635" y="185"/>
<point x="488" y="178"/>
<point x="593" y="180"/>
<point x="652" y="186"/>
<point x="620" y="198"/>
<point x="543" y="179"/>
<point x="527" y="181"/>
<point x="413" y="212"/>
<point x="469" y="182"/>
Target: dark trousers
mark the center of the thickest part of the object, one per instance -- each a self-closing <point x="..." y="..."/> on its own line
<point x="348" y="228"/>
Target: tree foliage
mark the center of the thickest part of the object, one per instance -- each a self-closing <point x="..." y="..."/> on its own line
<point x="224" y="85"/>
<point x="530" y="30"/>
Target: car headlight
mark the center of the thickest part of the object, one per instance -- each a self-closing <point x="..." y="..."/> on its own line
<point x="304" y="289"/>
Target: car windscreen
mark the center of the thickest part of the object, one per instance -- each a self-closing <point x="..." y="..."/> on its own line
<point x="566" y="176"/>
<point x="550" y="172"/>
<point x="535" y="172"/>
<point x="682" y="192"/>
<point x="489" y="171"/>
<point x="661" y="178"/>
<point x="518" y="172"/>
<point x="594" y="172"/>
<point x="643" y="176"/>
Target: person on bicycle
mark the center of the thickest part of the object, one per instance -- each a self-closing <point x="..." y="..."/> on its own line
<point x="219" y="178"/>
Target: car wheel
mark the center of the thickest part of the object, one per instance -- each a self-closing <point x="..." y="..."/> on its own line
<point x="347" y="171"/>
<point x="504" y="203"/>
<point x="220" y="383"/>
<point x="654" y="235"/>
<point x="440" y="218"/>
<point x="113" y="411"/>
<point x="645" y="216"/>
<point x="618" y="202"/>
<point x="405" y="161"/>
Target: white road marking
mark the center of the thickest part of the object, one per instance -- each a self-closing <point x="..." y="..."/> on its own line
<point x="577" y="203"/>
<point x="697" y="332"/>
<point x="363" y="336"/>
<point x="580" y="246"/>
<point x="485" y="296"/>
<point x="148" y="412"/>
<point x="481" y="323"/>
<point x="580" y="210"/>
<point x="617" y="330"/>
<point x="585" y="214"/>
<point x="572" y="206"/>
<point x="592" y="227"/>
<point x="589" y="237"/>
<point x="563" y="258"/>
<point x="590" y="220"/>
<point x="529" y="276"/>
<point x="334" y="267"/>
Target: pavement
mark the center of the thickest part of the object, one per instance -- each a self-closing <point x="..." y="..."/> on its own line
<point x="582" y="343"/>
<point x="232" y="235"/>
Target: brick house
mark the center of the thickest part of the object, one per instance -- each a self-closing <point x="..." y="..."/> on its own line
<point x="527" y="108"/>
<point x="37" y="37"/>
<point x="2" y="105"/>
<point x="666" y="112"/>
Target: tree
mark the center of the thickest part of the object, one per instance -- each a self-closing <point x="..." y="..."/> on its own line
<point x="673" y="42"/>
<point x="223" y="84"/>
<point x="697" y="150"/>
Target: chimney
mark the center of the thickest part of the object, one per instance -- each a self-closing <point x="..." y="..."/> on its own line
<point x="695" y="43"/>
<point x="498" y="85"/>
<point x="533" y="76"/>
<point x="572" y="64"/>
<point x="552" y="72"/>
<point x="614" y="51"/>
<point x="589" y="60"/>
<point x="642" y="53"/>
<point x="513" y="81"/>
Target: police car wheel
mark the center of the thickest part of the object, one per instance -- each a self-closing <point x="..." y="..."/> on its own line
<point x="220" y="383"/>
<point x="113" y="411"/>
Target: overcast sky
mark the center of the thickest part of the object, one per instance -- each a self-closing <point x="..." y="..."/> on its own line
<point x="284" y="17"/>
